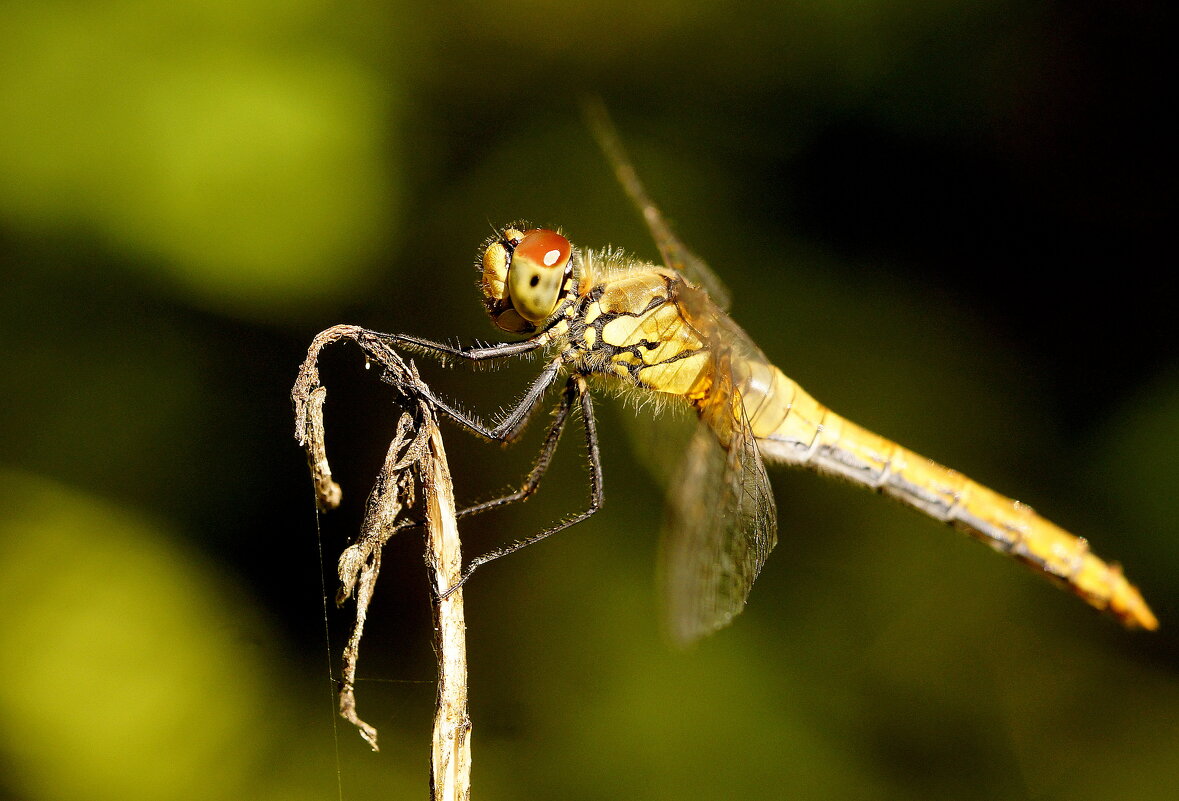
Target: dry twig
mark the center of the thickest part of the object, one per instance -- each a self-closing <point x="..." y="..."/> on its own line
<point x="416" y="452"/>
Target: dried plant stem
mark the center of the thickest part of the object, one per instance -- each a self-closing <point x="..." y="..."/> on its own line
<point x="416" y="449"/>
<point x="451" y="753"/>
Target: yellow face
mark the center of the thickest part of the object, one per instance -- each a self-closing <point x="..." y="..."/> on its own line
<point x="525" y="277"/>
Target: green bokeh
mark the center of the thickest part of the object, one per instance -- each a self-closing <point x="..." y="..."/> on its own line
<point x="247" y="159"/>
<point x="119" y="656"/>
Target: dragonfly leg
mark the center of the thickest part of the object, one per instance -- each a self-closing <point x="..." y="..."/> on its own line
<point x="576" y="389"/>
<point x="481" y="353"/>
<point x="532" y="480"/>
<point x="509" y="428"/>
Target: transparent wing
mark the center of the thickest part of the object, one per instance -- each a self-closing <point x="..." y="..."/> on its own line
<point x="659" y="438"/>
<point x="675" y="255"/>
<point x="721" y="523"/>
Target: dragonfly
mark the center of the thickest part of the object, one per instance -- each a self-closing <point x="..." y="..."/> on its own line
<point x="605" y="319"/>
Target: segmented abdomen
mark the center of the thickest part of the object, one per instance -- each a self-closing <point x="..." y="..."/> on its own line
<point x="792" y="427"/>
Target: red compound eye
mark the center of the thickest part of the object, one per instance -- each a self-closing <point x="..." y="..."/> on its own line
<point x="544" y="249"/>
<point x="537" y="274"/>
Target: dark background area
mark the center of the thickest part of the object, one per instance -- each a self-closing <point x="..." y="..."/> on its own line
<point x="945" y="220"/>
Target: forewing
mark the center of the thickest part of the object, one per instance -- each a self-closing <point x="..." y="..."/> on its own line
<point x="721" y="526"/>
<point x="675" y="255"/>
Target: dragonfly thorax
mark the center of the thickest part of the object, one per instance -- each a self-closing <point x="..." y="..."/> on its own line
<point x="526" y="275"/>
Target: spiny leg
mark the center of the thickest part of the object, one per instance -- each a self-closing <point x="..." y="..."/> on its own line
<point x="576" y="388"/>
<point x="510" y="427"/>
<point x="532" y="480"/>
<point x="512" y="424"/>
<point x="480" y="353"/>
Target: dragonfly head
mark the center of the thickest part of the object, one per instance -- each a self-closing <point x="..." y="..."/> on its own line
<point x="526" y="275"/>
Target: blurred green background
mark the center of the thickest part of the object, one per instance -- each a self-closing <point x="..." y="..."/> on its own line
<point x="945" y="219"/>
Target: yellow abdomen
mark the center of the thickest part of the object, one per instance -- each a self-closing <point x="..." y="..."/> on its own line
<point x="794" y="428"/>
